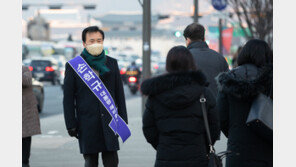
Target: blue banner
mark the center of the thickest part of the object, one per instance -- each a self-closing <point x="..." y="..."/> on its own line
<point x="95" y="84"/>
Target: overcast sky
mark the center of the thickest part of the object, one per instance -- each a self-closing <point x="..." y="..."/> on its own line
<point x="157" y="6"/>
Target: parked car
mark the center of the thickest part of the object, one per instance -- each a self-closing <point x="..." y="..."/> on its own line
<point x="62" y="76"/>
<point x="45" y="69"/>
<point x="61" y="60"/>
<point x="38" y="90"/>
<point x="26" y="62"/>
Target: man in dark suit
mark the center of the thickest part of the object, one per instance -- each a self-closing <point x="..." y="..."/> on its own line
<point x="206" y="59"/>
<point x="85" y="116"/>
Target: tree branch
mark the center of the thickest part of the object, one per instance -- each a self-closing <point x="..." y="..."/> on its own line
<point x="247" y="19"/>
<point x="141" y="3"/>
<point x="258" y="14"/>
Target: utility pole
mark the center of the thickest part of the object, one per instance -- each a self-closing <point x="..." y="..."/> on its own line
<point x="220" y="37"/>
<point x="195" y="18"/>
<point x="146" y="44"/>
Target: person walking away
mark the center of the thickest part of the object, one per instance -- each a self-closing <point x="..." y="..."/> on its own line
<point x="237" y="90"/>
<point x="173" y="120"/>
<point x="206" y="59"/>
<point x="85" y="116"/>
<point x="30" y="117"/>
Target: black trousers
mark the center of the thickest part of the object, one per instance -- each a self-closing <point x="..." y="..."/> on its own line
<point x="109" y="158"/>
<point x="26" y="148"/>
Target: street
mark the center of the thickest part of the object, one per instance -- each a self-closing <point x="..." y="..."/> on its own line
<point x="54" y="148"/>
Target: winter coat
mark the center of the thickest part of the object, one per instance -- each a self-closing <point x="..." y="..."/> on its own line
<point x="173" y="121"/>
<point x="30" y="117"/>
<point x="82" y="109"/>
<point x="209" y="61"/>
<point x="237" y="89"/>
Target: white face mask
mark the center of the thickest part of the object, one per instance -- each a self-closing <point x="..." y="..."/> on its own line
<point x="95" y="49"/>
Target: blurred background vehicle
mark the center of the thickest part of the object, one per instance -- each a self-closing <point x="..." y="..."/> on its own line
<point x="122" y="69"/>
<point x="61" y="61"/>
<point x="133" y="84"/>
<point x="62" y="75"/>
<point x="45" y="69"/>
<point x="27" y="62"/>
<point x="133" y="74"/>
<point x="38" y="90"/>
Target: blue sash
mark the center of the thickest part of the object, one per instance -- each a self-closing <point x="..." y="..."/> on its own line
<point x="96" y="85"/>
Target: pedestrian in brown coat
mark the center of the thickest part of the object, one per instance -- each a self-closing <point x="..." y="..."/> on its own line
<point x="30" y="118"/>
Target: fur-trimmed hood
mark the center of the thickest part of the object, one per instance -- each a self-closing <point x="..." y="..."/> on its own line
<point x="170" y="81"/>
<point x="176" y="89"/>
<point x="246" y="81"/>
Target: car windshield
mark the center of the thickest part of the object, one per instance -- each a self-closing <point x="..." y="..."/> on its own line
<point x="42" y="63"/>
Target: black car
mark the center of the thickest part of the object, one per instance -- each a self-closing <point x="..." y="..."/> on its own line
<point x="45" y="69"/>
<point x="39" y="93"/>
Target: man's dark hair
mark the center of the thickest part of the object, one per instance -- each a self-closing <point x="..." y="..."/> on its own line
<point x="195" y="32"/>
<point x="90" y="30"/>
<point x="255" y="52"/>
<point x="179" y="58"/>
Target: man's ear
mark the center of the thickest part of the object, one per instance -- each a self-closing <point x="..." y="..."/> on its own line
<point x="188" y="41"/>
<point x="84" y="44"/>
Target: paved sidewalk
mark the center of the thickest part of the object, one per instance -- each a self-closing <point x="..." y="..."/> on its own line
<point x="54" y="148"/>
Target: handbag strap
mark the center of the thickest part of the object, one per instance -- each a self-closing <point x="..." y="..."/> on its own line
<point x="204" y="111"/>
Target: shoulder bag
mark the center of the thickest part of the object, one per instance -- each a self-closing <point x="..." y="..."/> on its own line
<point x="215" y="160"/>
<point x="260" y="118"/>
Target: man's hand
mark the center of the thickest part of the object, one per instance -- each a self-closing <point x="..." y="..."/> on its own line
<point x="73" y="132"/>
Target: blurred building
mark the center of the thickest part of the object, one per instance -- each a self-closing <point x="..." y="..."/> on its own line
<point x="124" y="21"/>
<point x="65" y="18"/>
<point x="38" y="29"/>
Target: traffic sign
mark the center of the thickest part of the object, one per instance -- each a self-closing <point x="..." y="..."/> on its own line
<point x="219" y="4"/>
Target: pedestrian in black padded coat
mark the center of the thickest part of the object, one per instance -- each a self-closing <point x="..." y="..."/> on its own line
<point x="237" y="90"/>
<point x="173" y="122"/>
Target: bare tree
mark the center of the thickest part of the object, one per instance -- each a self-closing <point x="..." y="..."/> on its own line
<point x="258" y="15"/>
